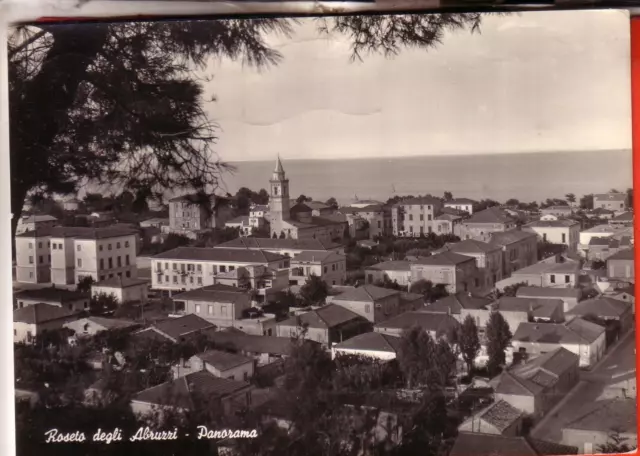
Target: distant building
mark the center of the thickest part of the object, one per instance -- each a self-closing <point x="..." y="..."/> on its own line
<point x="483" y="223"/>
<point x="35" y="222"/>
<point x="448" y="224"/>
<point x="155" y="222"/>
<point x="545" y="274"/>
<point x="457" y="272"/>
<point x="622" y="220"/>
<point x="71" y="205"/>
<point x="558" y="211"/>
<point x="498" y="418"/>
<point x="462" y="204"/>
<point x="90" y="326"/>
<point x="608" y="309"/>
<point x="488" y="259"/>
<point x="569" y="296"/>
<point x="600" y="213"/>
<point x="31" y="321"/>
<point x="435" y="324"/>
<point x="611" y="201"/>
<point x="331" y="267"/>
<point x="176" y="329"/>
<point x="559" y="231"/>
<point x="286" y="247"/>
<point x="377" y="304"/>
<point x="241" y="223"/>
<point x="461" y="305"/>
<point x="415" y="217"/>
<point x="392" y="271"/>
<point x="124" y="289"/>
<point x="188" y="214"/>
<point x="59" y="297"/>
<point x="519" y="249"/>
<point x="621" y="265"/>
<point x="377" y="223"/>
<point x="219" y="363"/>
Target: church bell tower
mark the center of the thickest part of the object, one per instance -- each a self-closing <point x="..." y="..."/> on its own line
<point x="279" y="200"/>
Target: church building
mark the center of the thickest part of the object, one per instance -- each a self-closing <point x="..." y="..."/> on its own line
<point x="298" y="222"/>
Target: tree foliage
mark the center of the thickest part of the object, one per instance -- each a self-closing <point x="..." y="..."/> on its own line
<point x="103" y="303"/>
<point x="423" y="361"/>
<point x="84" y="284"/>
<point x="498" y="337"/>
<point x="314" y="291"/>
<point x="469" y="341"/>
<point x="616" y="443"/>
<point x="431" y="292"/>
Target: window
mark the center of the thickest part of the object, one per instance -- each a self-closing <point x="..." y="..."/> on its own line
<point x="246" y="377"/>
<point x="117" y="245"/>
<point x="30" y="245"/>
<point x="567" y="279"/>
<point x="79" y="247"/>
<point x="326" y="269"/>
<point x="379" y="224"/>
<point x="79" y="262"/>
<point x="223" y="268"/>
<point x="367" y="308"/>
<point x="119" y="262"/>
<point x="421" y="217"/>
<point x="109" y="246"/>
<point x="111" y="276"/>
<point x="60" y="246"/>
<point x="119" y="274"/>
<point x="410" y="217"/>
<point x="544" y="237"/>
<point x="564" y="238"/>
<point x="175" y="266"/>
<point x="411" y="229"/>
<point x="333" y="267"/>
<point x="175" y="279"/>
<point x="232" y="268"/>
<point x="49" y="258"/>
<point x="477" y="282"/>
<point x="127" y="261"/>
<point x="126" y="243"/>
<point x="39" y="245"/>
<point x="184" y="280"/>
<point x="191" y="279"/>
<point x="199" y="280"/>
<point x="553" y="278"/>
<point x="159" y="279"/>
<point x="110" y="263"/>
<point x="197" y="308"/>
<point x="101" y="263"/>
<point x="101" y="277"/>
<point x="166" y="265"/>
<point x="210" y="309"/>
<point x="199" y="268"/>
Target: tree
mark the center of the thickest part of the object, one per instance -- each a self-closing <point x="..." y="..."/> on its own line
<point x="314" y="291"/>
<point x="469" y="341"/>
<point x="332" y="203"/>
<point x="570" y="197"/>
<point x="498" y="337"/>
<point x="174" y="240"/>
<point x="415" y="355"/>
<point x="103" y="303"/>
<point x="84" y="284"/>
<point x="613" y="190"/>
<point x="448" y="196"/>
<point x="282" y="235"/>
<point x="512" y="290"/>
<point x="616" y="443"/>
<point x="512" y="202"/>
<point x="303" y="199"/>
<point x="586" y="202"/>
<point x="430" y="291"/>
<point x="630" y="197"/>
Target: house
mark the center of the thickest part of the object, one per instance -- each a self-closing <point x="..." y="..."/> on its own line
<point x="621" y="265"/>
<point x="35" y="223"/>
<point x="263" y="349"/>
<point x="601" y="248"/>
<point x="241" y="223"/>
<point x="559" y="231"/>
<point x="226" y="307"/>
<point x="485" y="222"/>
<point x="622" y="220"/>
<point x="177" y="329"/>
<point x="545" y="274"/>
<point x="600" y="213"/>
<point x="607" y="309"/>
<point x="124" y="289"/>
<point x="460" y="305"/>
<point x="536" y="386"/>
<point x="155" y="222"/>
<point x="189" y="214"/>
<point x="286" y="247"/>
<point x="71" y="205"/>
<point x="186" y="268"/>
<point x="579" y="336"/>
<point x="522" y="310"/>
<point x="374" y="215"/>
<point x="599" y="420"/>
<point x="568" y="296"/>
<point x="326" y="325"/>
<point x="480" y="444"/>
<point x="599" y="231"/>
<point x="391" y="271"/>
<point x="499" y="418"/>
<point x="372" y="344"/>
<point x="225" y="395"/>
<point x="221" y="364"/>
<point x="437" y="325"/>
<point x="462" y="204"/>
<point x="558" y="211"/>
<point x="376" y="304"/>
<point x="611" y="201"/>
<point x="414" y="217"/>
<point x="32" y="321"/>
<point x="330" y="266"/>
<point x="90" y="326"/>
<point x="59" y="297"/>
<point x="299" y="221"/>
<point x="488" y="259"/>
<point x="448" y="223"/>
<point x="263" y="281"/>
<point x="625" y="294"/>
<point x="519" y="249"/>
<point x="457" y="272"/>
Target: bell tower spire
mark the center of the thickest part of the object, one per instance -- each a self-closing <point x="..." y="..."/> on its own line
<point x="279" y="200"/>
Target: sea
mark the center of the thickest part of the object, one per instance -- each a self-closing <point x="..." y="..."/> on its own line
<point x="524" y="176"/>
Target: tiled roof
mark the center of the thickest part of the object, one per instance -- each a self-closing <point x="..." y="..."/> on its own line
<point x="607" y="241"/>
<point x="601" y="229"/>
<point x="624" y="217"/>
<point x="38" y="219"/>
<point x="577" y="331"/>
<point x="317" y="257"/>
<point x="431" y="322"/>
<point x="444" y="258"/>
<point x="182" y="326"/>
<point x="456" y="302"/>
<point x="446" y="216"/>
<point x="490" y="215"/>
<point x="500" y="414"/>
<point x="453" y="211"/>
<point x="242" y="220"/>
<point x="80" y="232"/>
<point x="316" y="205"/>
<point x="223" y="360"/>
<point x="460" y="201"/>
<point x="179" y="393"/>
<point x="212" y="294"/>
<point x="555" y="363"/>
<point x="546" y="448"/>
<point x="544" y="292"/>
<point x="626" y="254"/>
<point x="418" y="201"/>
<point x="540" y="307"/>
<point x="606" y="415"/>
<point x="268" y="243"/>
<point x="221" y="255"/>
<point x="610" y="196"/>
<point x="391" y="266"/>
<point x="365" y="293"/>
<point x="546" y="268"/>
<point x="51" y="294"/>
<point x="509" y="237"/>
<point x="477" y="444"/>
<point x="326" y="317"/>
<point x="561" y="223"/>
<point x="40" y="313"/>
<point x="352" y="209"/>
<point x="121" y="282"/>
<point x="601" y="307"/>
<point x="250" y="343"/>
<point x="471" y="246"/>
<point x="371" y="341"/>
<point x="111" y="323"/>
<point x="510" y="383"/>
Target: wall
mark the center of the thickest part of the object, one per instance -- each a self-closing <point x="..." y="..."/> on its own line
<point x="29" y="252"/>
<point x="588" y="441"/>
<point x="526" y="404"/>
<point x="381" y="355"/>
<point x="402" y="277"/>
<point x="621" y="269"/>
<point x="316" y="334"/>
<point x="589" y="354"/>
<point x="375" y="312"/>
<point x="62" y="261"/>
<point x="554" y="235"/>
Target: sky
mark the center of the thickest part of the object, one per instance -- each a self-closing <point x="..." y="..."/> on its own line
<point x="535" y="81"/>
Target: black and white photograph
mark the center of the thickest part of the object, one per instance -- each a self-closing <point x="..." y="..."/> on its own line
<point x="349" y="235"/>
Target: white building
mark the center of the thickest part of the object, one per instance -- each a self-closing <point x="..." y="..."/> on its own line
<point x="35" y="222"/>
<point x="31" y="321"/>
<point x="123" y="289"/>
<point x="462" y="204"/>
<point x="331" y="267"/>
<point x="556" y="231"/>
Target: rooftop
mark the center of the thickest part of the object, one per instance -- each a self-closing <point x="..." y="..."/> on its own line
<point x="624" y="217"/>
<point x="220" y="255"/>
<point x="460" y="201"/>
<point x="111" y="323"/>
<point x="560" y="223"/>
<point x="608" y="414"/>
<point x="601" y="229"/>
<point x="553" y="363"/>
<point x="418" y="201"/>
<point x="610" y="196"/>
<point x="500" y="414"/>
<point x="355" y="209"/>
<point x="325" y="317"/>
<point x="81" y="232"/>
<point x="391" y="266"/>
<point x="444" y="258"/>
<point x="490" y="215"/>
<point x="213" y="293"/>
<point x="540" y="307"/>
<point x="371" y="341"/>
<point x="626" y="254"/>
<point x="365" y="293"/>
<point x="40" y="313"/>
<point x="242" y="220"/>
<point x="51" y="294"/>
<point x="249" y="343"/>
<point x="432" y="322"/>
<point x="456" y="302"/>
<point x="601" y="307"/>
<point x="121" y="282"/>
<point x="503" y="238"/>
<point x="546" y="268"/>
<point x="175" y="328"/>
<point x="471" y="246"/>
<point x="38" y="219"/>
<point x="544" y="292"/>
<point x="576" y="331"/>
<point x="317" y="257"/>
<point x="276" y="244"/>
<point x="223" y="360"/>
<point x="180" y="392"/>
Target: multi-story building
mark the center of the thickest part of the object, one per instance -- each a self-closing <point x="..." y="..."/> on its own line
<point x="415" y="217"/>
<point x="186" y="268"/>
<point x="392" y="271"/>
<point x="612" y="201"/>
<point x="519" y="249"/>
<point x="35" y="222"/>
<point x="331" y="267"/>
<point x="462" y="204"/>
<point x="488" y="259"/>
<point x="373" y="215"/>
<point x="621" y="265"/>
<point x="483" y="223"/>
<point x="188" y="215"/>
<point x="556" y="231"/>
<point x="64" y="255"/>
<point x="377" y="304"/>
<point x="457" y="272"/>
